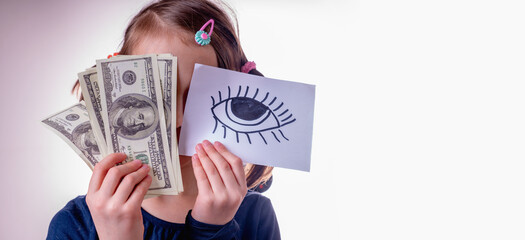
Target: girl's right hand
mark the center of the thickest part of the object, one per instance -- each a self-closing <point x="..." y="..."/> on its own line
<point x="115" y="196"/>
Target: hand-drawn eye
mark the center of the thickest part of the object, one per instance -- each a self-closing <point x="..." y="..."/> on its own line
<point x="247" y="115"/>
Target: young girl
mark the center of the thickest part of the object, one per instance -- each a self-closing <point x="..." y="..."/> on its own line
<point x="215" y="203"/>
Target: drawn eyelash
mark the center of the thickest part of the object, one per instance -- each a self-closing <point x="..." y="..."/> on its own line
<point x="245" y="115"/>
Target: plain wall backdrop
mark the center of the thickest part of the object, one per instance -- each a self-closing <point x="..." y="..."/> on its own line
<point x="419" y="127"/>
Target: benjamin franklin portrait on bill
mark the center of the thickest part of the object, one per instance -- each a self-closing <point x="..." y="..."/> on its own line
<point x="133" y="116"/>
<point x="84" y="139"/>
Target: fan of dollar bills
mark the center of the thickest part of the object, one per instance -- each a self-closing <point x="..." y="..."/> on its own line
<point x="127" y="108"/>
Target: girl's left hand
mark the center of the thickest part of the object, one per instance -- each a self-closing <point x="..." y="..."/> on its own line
<point x="221" y="182"/>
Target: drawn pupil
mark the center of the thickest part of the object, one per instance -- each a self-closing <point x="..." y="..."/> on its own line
<point x="247" y="109"/>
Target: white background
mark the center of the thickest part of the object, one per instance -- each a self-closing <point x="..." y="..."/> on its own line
<point x="419" y="123"/>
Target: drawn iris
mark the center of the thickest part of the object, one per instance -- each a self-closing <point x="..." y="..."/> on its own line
<point x="246" y="115"/>
<point x="247" y="108"/>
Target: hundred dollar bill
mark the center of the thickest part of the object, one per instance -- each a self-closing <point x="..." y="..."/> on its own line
<point x="167" y="64"/>
<point x="91" y="93"/>
<point x="73" y="126"/>
<point x="168" y="79"/>
<point x="134" y="118"/>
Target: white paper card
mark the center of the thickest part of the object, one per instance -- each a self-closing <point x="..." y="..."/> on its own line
<point x="261" y="120"/>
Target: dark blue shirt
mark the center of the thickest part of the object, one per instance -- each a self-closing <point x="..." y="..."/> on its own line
<point x="255" y="219"/>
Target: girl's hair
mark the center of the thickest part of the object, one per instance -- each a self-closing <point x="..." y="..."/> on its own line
<point x="167" y="16"/>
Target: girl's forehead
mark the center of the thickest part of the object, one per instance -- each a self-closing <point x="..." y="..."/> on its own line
<point x="157" y="43"/>
<point x="184" y="50"/>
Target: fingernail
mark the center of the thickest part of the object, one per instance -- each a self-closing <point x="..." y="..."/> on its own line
<point x="145" y="166"/>
<point x="207" y="142"/>
<point x="198" y="147"/>
<point x="136" y="161"/>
